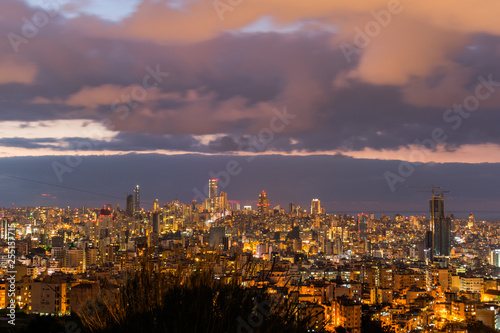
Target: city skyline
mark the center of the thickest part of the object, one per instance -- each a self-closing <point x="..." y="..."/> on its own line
<point x="250" y="166"/>
<point x="163" y="94"/>
<point x="212" y="201"/>
<point x="336" y="192"/>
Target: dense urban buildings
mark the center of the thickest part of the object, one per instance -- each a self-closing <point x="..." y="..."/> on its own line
<point x="137" y="199"/>
<point x="340" y="268"/>
<point x="263" y="205"/>
<point x="244" y="166"/>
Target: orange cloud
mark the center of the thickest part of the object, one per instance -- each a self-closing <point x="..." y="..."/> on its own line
<point x="416" y="42"/>
<point x="15" y="70"/>
<point x="406" y="49"/>
<point x="94" y="96"/>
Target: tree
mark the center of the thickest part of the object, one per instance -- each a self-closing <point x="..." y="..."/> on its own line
<point x="196" y="302"/>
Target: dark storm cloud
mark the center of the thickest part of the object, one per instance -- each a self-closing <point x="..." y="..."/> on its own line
<point x="121" y="142"/>
<point x="143" y="141"/>
<point x="26" y="143"/>
<point x="229" y="84"/>
<point x="224" y="144"/>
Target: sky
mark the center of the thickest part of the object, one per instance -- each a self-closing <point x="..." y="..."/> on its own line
<point x="350" y="102"/>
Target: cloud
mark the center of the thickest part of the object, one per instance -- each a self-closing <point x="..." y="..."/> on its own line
<point x="93" y="97"/>
<point x="15" y="70"/>
<point x="54" y="129"/>
<point x="423" y="30"/>
<point x="224" y="144"/>
<point x="225" y="83"/>
<point x="391" y="59"/>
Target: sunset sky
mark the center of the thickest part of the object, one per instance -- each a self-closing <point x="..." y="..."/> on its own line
<point x="345" y="101"/>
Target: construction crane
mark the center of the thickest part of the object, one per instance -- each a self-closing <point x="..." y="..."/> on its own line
<point x="432" y="188"/>
<point x="433" y="240"/>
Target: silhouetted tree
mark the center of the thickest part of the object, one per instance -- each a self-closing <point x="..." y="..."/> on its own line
<point x="154" y="302"/>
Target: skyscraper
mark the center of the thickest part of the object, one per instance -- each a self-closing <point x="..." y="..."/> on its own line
<point x="212" y="188"/>
<point x="315" y="206"/>
<point x="495" y="257"/>
<point x="156" y="222"/>
<point x="441" y="226"/>
<point x="362" y="226"/>
<point x="223" y="201"/>
<point x="137" y="199"/>
<point x="130" y="205"/>
<point x="263" y="205"/>
<point x="212" y="194"/>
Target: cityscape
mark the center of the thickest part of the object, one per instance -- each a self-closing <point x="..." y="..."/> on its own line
<point x="249" y="166"/>
<point x="425" y="272"/>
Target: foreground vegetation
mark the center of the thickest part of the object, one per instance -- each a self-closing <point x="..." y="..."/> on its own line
<point x="154" y="302"/>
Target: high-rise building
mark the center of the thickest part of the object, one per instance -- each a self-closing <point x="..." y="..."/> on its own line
<point x="495" y="257"/>
<point x="263" y="205"/>
<point x="212" y="194"/>
<point x="4" y="229"/>
<point x="212" y="188"/>
<point x="137" y="199"/>
<point x="156" y="205"/>
<point x="315" y="206"/>
<point x="470" y="221"/>
<point x="427" y="251"/>
<point x="130" y="205"/>
<point x="156" y="222"/>
<point x="222" y="202"/>
<point x="362" y="226"/>
<point x="441" y="226"/>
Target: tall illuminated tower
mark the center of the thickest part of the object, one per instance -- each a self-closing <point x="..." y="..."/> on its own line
<point x="315" y="206"/>
<point x="212" y="194"/>
<point x="212" y="188"/>
<point x="137" y="199"/>
<point x="263" y="205"/>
